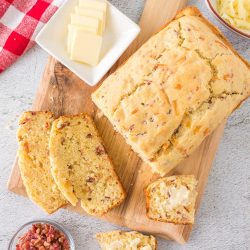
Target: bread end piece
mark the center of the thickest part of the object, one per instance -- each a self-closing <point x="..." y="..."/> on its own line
<point x="126" y="240"/>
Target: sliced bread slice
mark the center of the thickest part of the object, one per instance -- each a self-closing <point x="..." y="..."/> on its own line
<point x="81" y="167"/>
<point x="33" y="159"/>
<point x="172" y="199"/>
<point x="118" y="240"/>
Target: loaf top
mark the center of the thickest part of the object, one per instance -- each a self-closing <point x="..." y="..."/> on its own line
<point x="172" y="199"/>
<point x="182" y="83"/>
<point x="33" y="159"/>
<point x="81" y="166"/>
<point x="118" y="240"/>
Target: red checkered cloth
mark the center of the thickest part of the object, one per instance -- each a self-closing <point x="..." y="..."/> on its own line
<point x="20" y="22"/>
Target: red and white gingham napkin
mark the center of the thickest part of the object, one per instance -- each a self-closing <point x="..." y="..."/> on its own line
<point x="20" y="22"/>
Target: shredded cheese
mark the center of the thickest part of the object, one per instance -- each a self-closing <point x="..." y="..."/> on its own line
<point x="236" y="12"/>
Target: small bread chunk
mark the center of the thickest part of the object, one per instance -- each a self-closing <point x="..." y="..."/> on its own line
<point x="81" y="167"/>
<point x="118" y="240"/>
<point x="33" y="159"/>
<point x="172" y="199"/>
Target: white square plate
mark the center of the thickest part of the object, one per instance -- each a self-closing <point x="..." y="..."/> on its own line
<point x="120" y="32"/>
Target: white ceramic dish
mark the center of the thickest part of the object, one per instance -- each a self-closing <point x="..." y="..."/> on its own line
<point x="212" y="6"/>
<point x="120" y="32"/>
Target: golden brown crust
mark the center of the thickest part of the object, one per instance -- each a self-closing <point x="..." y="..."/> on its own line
<point x="184" y="64"/>
<point x="31" y="112"/>
<point x="125" y="240"/>
<point x="147" y="196"/>
<point x="193" y="11"/>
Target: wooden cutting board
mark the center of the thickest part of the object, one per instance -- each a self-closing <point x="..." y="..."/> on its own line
<point x="64" y="93"/>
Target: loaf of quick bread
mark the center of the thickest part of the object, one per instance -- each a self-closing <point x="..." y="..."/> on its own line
<point x="33" y="160"/>
<point x="175" y="90"/>
<point x="119" y="240"/>
<point x="81" y="167"/>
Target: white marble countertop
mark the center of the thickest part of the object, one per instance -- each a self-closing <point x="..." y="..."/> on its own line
<point x="223" y="219"/>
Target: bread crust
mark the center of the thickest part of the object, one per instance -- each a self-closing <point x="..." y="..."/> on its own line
<point x="100" y="237"/>
<point x="205" y="81"/>
<point x="194" y="11"/>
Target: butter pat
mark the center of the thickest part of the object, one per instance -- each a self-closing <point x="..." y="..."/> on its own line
<point x="95" y="4"/>
<point x="178" y="196"/>
<point x="94" y="13"/>
<point x="86" y="22"/>
<point x="72" y="28"/>
<point x="86" y="47"/>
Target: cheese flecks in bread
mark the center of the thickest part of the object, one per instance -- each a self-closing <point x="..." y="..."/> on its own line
<point x="175" y="90"/>
<point x="33" y="160"/>
<point x="81" y="167"/>
<point x="172" y="199"/>
<point x="118" y="240"/>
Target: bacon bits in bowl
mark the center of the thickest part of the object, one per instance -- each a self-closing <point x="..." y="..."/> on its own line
<point x="42" y="235"/>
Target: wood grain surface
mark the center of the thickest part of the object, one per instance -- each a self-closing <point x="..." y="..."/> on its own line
<point x="62" y="92"/>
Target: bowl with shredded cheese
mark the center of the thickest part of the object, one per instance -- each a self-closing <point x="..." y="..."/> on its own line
<point x="234" y="14"/>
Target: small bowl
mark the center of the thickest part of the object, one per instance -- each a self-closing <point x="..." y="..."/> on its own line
<point x="212" y="6"/>
<point x="24" y="229"/>
<point x="119" y="33"/>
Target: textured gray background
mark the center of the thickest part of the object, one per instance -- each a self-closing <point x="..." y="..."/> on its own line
<point x="223" y="220"/>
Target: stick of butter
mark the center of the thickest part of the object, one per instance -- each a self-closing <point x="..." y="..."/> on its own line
<point x="86" y="21"/>
<point x="71" y="30"/>
<point x="95" y="13"/>
<point x="85" y="47"/>
<point x="95" y="4"/>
